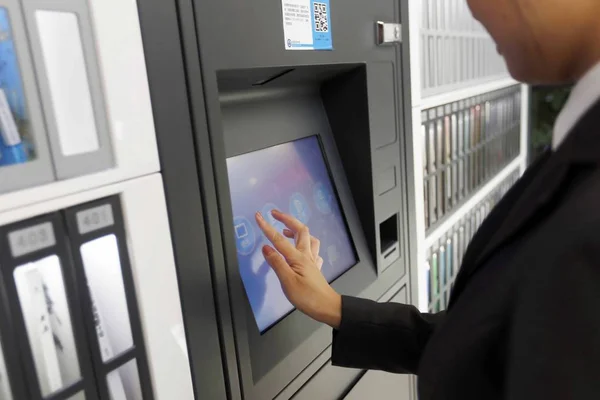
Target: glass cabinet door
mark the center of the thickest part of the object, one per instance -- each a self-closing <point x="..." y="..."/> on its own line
<point x="98" y="241"/>
<point x="43" y="305"/>
<point x="24" y="152"/>
<point x="64" y="52"/>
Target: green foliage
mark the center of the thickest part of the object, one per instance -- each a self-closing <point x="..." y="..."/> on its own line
<point x="546" y="103"/>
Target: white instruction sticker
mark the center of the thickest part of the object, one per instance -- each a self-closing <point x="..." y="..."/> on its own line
<point x="8" y="126"/>
<point x="306" y="24"/>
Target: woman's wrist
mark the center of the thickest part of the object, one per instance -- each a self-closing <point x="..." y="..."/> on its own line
<point x="332" y="312"/>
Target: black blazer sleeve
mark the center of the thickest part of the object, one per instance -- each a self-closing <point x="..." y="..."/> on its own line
<point x="555" y="336"/>
<point x="381" y="336"/>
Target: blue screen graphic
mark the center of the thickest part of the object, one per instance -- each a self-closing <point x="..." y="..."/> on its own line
<point x="12" y="151"/>
<point x="292" y="178"/>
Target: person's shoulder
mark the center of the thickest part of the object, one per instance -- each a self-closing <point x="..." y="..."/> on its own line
<point x="567" y="237"/>
<point x="582" y="195"/>
<point x="576" y="215"/>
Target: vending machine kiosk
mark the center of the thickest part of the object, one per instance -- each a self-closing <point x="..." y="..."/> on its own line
<point x="297" y="106"/>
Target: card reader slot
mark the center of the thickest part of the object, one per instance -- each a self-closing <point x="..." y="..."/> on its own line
<point x="388" y="234"/>
<point x="389" y="248"/>
<point x="273" y="77"/>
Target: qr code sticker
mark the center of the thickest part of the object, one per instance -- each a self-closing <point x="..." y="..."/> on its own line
<point x="321" y="17"/>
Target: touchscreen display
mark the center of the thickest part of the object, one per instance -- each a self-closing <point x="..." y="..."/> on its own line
<point x="292" y="178"/>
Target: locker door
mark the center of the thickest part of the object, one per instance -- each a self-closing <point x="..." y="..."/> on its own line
<point x="66" y="63"/>
<point x="99" y="248"/>
<point x="43" y="300"/>
<point x="24" y="153"/>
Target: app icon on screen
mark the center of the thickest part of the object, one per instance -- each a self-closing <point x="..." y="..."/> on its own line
<point x="322" y="198"/>
<point x="332" y="254"/>
<point x="244" y="235"/>
<point x="266" y="213"/>
<point x="299" y="208"/>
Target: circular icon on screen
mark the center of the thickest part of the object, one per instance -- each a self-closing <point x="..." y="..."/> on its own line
<point x="266" y="213"/>
<point x="322" y="198"/>
<point x="245" y="238"/>
<point x="299" y="208"/>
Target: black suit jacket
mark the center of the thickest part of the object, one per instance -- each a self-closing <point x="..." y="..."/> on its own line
<point x="523" y="320"/>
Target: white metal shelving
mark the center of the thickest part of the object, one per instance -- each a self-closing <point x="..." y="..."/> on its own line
<point x="465" y="93"/>
<point x="455" y="22"/>
<point x="457" y="215"/>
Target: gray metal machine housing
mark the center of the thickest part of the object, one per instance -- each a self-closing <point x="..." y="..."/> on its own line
<point x="245" y="91"/>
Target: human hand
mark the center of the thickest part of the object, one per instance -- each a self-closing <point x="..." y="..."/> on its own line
<point x="299" y="269"/>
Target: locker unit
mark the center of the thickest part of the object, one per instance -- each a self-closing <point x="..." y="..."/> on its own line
<point x="315" y="129"/>
<point x="69" y="119"/>
<point x="445" y="255"/>
<point x="83" y="312"/>
<point x="91" y="305"/>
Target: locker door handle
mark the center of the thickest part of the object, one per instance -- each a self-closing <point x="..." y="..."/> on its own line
<point x="388" y="33"/>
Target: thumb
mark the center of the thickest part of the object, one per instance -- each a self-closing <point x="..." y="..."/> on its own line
<point x="277" y="262"/>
